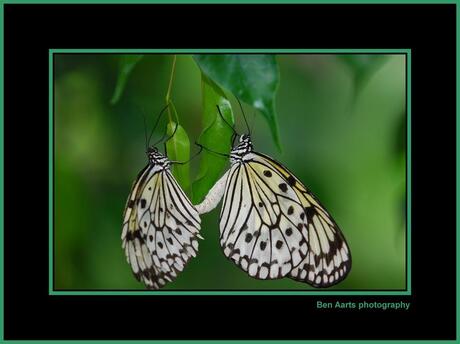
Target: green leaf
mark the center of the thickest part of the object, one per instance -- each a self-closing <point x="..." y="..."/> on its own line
<point x="178" y="149"/>
<point x="253" y="79"/>
<point x="362" y="66"/>
<point x="126" y="66"/>
<point x="216" y="136"/>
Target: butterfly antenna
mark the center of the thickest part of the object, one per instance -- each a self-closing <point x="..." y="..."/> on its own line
<point x="174" y="132"/>
<point x="164" y="143"/>
<point x="232" y="139"/>
<point x="156" y="124"/>
<point x="145" y="129"/>
<point x="145" y="126"/>
<point x="210" y="150"/>
<point x="253" y="121"/>
<point x="187" y="161"/>
<point x="244" y="116"/>
<point x="223" y="118"/>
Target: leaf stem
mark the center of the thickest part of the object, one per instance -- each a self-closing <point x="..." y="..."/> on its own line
<point x="168" y="93"/>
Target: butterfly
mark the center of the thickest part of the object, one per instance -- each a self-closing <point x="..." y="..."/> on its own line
<point x="160" y="224"/>
<point x="272" y="226"/>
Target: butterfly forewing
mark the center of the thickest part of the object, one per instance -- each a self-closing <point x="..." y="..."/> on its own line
<point x="160" y="227"/>
<point x="258" y="231"/>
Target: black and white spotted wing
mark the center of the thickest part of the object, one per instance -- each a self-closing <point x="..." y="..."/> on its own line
<point x="258" y="230"/>
<point x="160" y="226"/>
<point x="271" y="226"/>
<point x="329" y="259"/>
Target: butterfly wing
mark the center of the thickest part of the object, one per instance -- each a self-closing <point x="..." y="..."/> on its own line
<point x="160" y="228"/>
<point x="329" y="259"/>
<point x="258" y="229"/>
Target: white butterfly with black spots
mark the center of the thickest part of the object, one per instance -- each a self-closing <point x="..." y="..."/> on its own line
<point x="272" y="226"/>
<point x="160" y="225"/>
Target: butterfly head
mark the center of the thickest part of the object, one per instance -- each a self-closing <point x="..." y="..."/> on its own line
<point x="244" y="147"/>
<point x="156" y="157"/>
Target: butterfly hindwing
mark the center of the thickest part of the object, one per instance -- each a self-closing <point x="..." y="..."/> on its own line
<point x="160" y="227"/>
<point x="328" y="260"/>
<point x="133" y="240"/>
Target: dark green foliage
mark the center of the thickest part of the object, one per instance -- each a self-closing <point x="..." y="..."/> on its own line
<point x="127" y="64"/>
<point x="215" y="136"/>
<point x="253" y="79"/>
<point x="178" y="149"/>
<point x="362" y="66"/>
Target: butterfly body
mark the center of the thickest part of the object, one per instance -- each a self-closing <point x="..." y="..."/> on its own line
<point x="160" y="226"/>
<point x="271" y="226"/>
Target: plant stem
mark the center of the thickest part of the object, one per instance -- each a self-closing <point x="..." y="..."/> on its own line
<point x="168" y="93"/>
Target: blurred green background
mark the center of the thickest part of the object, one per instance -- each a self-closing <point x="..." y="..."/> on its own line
<point x="342" y="125"/>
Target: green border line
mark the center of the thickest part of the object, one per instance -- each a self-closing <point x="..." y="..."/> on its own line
<point x="224" y="51"/>
<point x="50" y="173"/>
<point x="242" y="2"/>
<point x="457" y="65"/>
<point x="234" y="293"/>
<point x="2" y="216"/>
<point x="259" y="341"/>
<point x="409" y="172"/>
<point x="406" y="292"/>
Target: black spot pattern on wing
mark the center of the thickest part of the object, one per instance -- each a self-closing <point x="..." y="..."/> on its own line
<point x="256" y="232"/>
<point x="154" y="251"/>
<point x="328" y="260"/>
